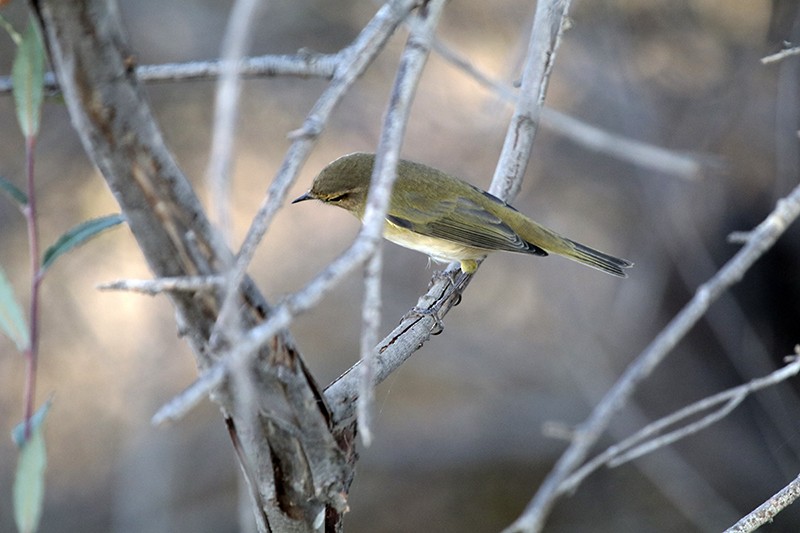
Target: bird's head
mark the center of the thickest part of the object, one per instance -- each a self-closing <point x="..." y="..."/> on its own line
<point x="343" y="183"/>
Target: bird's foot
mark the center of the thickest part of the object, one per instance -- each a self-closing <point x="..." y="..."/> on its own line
<point x="433" y="312"/>
<point x="449" y="275"/>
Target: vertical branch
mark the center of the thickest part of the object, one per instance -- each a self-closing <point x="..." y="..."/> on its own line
<point x="226" y="110"/>
<point x="548" y="25"/>
<point x="409" y="71"/>
<point x="235" y="43"/>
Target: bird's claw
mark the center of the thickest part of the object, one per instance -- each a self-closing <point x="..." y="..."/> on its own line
<point x="449" y="275"/>
<point x="438" y="325"/>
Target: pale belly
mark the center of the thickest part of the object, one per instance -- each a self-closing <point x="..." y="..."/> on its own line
<point x="439" y="250"/>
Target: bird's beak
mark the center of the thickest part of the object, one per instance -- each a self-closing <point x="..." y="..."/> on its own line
<point x="306" y="196"/>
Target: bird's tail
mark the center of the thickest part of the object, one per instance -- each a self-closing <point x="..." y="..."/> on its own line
<point x="596" y="259"/>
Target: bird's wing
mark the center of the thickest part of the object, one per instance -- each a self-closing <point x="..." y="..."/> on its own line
<point x="459" y="220"/>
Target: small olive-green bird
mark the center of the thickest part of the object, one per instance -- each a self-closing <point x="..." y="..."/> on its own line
<point x="446" y="218"/>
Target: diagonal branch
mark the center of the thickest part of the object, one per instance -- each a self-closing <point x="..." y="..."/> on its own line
<point x="765" y="513"/>
<point x="587" y="434"/>
<point x="638" y="444"/>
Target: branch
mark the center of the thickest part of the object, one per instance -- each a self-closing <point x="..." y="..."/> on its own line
<point x="587" y="434"/>
<point x="780" y="56"/>
<point x="409" y="71"/>
<point x="637" y="445"/>
<point x="354" y="60"/>
<point x="304" y="64"/>
<point x="681" y="164"/>
<point x="153" y="287"/>
<point x="297" y="468"/>
<point x="766" y="512"/>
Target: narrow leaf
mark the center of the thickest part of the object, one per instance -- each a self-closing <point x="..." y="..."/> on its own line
<point x="27" y="75"/>
<point x="13" y="192"/>
<point x="12" y="320"/>
<point x="29" y="480"/>
<point x="77" y="236"/>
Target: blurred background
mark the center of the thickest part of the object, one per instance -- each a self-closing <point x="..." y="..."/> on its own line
<point x="459" y="440"/>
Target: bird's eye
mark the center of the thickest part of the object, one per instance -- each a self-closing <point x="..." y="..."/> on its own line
<point x="338" y="197"/>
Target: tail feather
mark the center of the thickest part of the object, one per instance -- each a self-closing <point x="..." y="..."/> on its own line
<point x="599" y="260"/>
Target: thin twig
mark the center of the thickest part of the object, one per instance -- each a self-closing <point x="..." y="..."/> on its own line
<point x="637" y="444"/>
<point x="548" y="26"/>
<point x="780" y="56"/>
<point x="153" y="287"/>
<point x="587" y="434"/>
<point x="681" y="164"/>
<point x="226" y="111"/>
<point x="409" y="72"/>
<point x="238" y="34"/>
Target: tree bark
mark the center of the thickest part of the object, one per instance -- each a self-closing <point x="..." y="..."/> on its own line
<point x="298" y="469"/>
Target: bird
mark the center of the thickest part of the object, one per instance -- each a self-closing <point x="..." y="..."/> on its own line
<point x="447" y="218"/>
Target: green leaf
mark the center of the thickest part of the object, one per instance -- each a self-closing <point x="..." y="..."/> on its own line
<point x="13" y="192"/>
<point x="12" y="320"/>
<point x="77" y="236"/>
<point x="29" y="480"/>
<point x="27" y="75"/>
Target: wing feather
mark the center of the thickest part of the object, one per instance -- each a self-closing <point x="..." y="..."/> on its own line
<point x="460" y="220"/>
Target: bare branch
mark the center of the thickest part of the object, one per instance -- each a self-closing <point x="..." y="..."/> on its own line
<point x="637" y="445"/>
<point x="409" y="71"/>
<point x="780" y="56"/>
<point x="548" y="25"/>
<point x="304" y="64"/>
<point x="587" y="434"/>
<point x="226" y="108"/>
<point x="153" y="287"/>
<point x="766" y="512"/>
<point x="683" y="165"/>
<point x="353" y="61"/>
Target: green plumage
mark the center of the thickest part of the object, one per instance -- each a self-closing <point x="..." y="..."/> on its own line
<point x="447" y="218"/>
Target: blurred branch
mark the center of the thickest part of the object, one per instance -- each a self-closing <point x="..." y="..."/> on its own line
<point x="681" y="164"/>
<point x="304" y="64"/>
<point x="638" y="444"/>
<point x="780" y="56"/>
<point x="761" y="239"/>
<point x="245" y="396"/>
<point x="153" y="287"/>
<point x="310" y="64"/>
<point x="226" y="111"/>
<point x="766" y="512"/>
